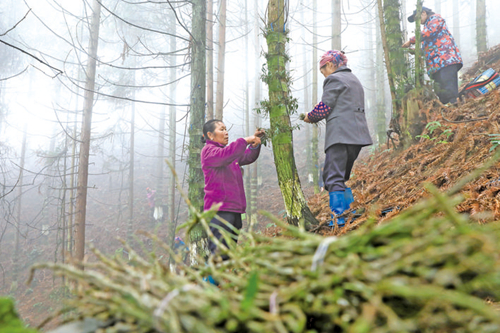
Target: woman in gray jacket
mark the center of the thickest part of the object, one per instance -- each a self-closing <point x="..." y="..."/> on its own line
<point x="343" y="107"/>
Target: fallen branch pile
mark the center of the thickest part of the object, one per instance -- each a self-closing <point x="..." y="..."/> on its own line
<point x="429" y="269"/>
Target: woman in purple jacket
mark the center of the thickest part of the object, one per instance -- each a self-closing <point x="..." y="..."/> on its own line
<point x="221" y="163"/>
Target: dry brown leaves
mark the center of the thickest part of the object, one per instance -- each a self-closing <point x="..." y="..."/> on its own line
<point x="459" y="143"/>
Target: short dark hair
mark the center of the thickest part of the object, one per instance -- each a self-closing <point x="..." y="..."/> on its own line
<point x="209" y="127"/>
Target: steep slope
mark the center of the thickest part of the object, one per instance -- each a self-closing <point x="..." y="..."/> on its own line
<point x="456" y="141"/>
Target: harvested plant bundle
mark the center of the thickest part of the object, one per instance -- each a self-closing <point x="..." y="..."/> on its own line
<point x="429" y="269"/>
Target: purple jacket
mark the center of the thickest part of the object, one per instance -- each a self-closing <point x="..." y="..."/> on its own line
<point x="223" y="178"/>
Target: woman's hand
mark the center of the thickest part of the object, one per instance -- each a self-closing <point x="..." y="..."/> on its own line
<point x="306" y="119"/>
<point x="256" y="142"/>
<point x="406" y="45"/>
<point x="259" y="132"/>
<point x="253" y="140"/>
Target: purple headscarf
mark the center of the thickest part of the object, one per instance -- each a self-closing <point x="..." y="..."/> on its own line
<point x="338" y="58"/>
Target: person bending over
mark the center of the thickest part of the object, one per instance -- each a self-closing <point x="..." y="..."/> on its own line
<point x="442" y="55"/>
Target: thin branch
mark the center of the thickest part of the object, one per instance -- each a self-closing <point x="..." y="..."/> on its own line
<point x="13" y="76"/>
<point x="36" y="58"/>
<point x="5" y="33"/>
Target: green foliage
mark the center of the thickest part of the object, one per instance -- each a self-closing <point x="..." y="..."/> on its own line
<point x="431" y="127"/>
<point x="9" y="320"/>
<point x="250" y="292"/>
<point x="494" y="140"/>
<point x="426" y="271"/>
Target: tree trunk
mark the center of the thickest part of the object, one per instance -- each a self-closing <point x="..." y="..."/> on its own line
<point x="83" y="164"/>
<point x="419" y="60"/>
<point x="336" y="25"/>
<point x="381" y="119"/>
<point x="280" y="106"/>
<point x="437" y="5"/>
<point x="311" y="168"/>
<point x="17" y="223"/>
<point x="172" y="135"/>
<point x="131" y="171"/>
<point x="255" y="166"/>
<point x="210" y="59"/>
<point x="247" y="174"/>
<point x="336" y="37"/>
<point x="481" y="26"/>
<point x="395" y="59"/>
<point x="456" y="21"/>
<point x="197" y="115"/>
<point x="160" y="162"/>
<point x="221" y="62"/>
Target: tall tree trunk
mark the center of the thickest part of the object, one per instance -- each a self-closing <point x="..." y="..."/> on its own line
<point x="131" y="171"/>
<point x="481" y="26"/>
<point x="456" y="21"/>
<point x="221" y="61"/>
<point x="248" y="189"/>
<point x="280" y="106"/>
<point x="255" y="166"/>
<point x="437" y="6"/>
<point x="83" y="164"/>
<point x="160" y="162"/>
<point x="419" y="60"/>
<point x="172" y="127"/>
<point x="395" y="59"/>
<point x="307" y="103"/>
<point x="381" y="119"/>
<point x="210" y="59"/>
<point x="315" y="135"/>
<point x="197" y="115"/>
<point x="17" y="223"/>
<point x="336" y="24"/>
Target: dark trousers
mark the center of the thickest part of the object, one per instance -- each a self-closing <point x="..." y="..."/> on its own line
<point x="233" y="219"/>
<point x="446" y="83"/>
<point x="338" y="165"/>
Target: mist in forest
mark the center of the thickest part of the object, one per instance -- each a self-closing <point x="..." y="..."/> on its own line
<point x="141" y="107"/>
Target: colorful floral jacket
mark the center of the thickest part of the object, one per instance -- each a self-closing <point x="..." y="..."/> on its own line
<point x="439" y="46"/>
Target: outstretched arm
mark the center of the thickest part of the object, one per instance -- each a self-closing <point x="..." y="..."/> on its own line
<point x="215" y="157"/>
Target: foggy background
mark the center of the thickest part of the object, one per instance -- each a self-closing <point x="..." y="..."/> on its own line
<point x="41" y="102"/>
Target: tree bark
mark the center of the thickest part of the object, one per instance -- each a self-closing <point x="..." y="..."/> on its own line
<point x="336" y="24"/>
<point x="210" y="59"/>
<point x="315" y="139"/>
<point x="481" y="26"/>
<point x="221" y="62"/>
<point x="173" y="131"/>
<point x="247" y="174"/>
<point x="311" y="168"/>
<point x="395" y="60"/>
<point x="279" y="103"/>
<point x="255" y="166"/>
<point x="83" y="164"/>
<point x="437" y="5"/>
<point x="131" y="170"/>
<point x="381" y="118"/>
<point x="456" y="21"/>
<point x="197" y="116"/>
<point x="17" y="223"/>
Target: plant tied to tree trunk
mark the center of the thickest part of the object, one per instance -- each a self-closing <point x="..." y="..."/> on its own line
<point x="279" y="107"/>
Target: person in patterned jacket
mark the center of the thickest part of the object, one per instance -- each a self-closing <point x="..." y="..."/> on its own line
<point x="442" y="54"/>
<point x="343" y="107"/>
